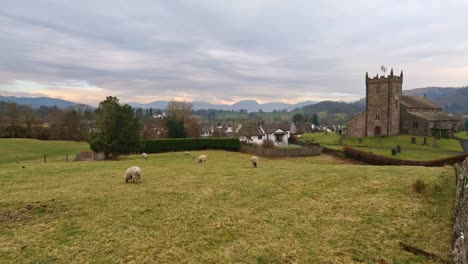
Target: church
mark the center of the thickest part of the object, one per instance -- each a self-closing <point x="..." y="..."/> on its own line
<point x="389" y="112"/>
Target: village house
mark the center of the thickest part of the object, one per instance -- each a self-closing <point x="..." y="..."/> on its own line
<point x="278" y="133"/>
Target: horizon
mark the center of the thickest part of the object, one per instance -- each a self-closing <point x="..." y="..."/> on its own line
<point x="223" y="53"/>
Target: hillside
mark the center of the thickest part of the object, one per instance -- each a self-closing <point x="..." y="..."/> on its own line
<point x="249" y="105"/>
<point x="37" y="102"/>
<point x="334" y="107"/>
<point x="451" y="99"/>
<point x="302" y="210"/>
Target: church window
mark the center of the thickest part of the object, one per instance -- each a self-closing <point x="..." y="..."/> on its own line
<point x="377" y="116"/>
<point x="377" y="89"/>
<point x="415" y="124"/>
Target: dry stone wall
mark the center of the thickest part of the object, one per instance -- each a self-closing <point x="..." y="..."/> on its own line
<point x="460" y="227"/>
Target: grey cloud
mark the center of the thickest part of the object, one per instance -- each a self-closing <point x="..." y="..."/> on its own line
<point x="217" y="50"/>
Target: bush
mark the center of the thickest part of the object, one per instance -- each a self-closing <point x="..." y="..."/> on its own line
<point x="268" y="143"/>
<point x="293" y="139"/>
<point x="419" y="186"/>
<point x="374" y="159"/>
<point x="182" y="144"/>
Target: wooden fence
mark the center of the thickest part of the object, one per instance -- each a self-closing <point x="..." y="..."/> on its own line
<point x="312" y="150"/>
<point x="89" y="155"/>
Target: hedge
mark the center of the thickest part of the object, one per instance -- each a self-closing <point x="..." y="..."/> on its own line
<point x="182" y="144"/>
<point x="374" y="159"/>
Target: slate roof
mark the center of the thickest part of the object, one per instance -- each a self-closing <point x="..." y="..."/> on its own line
<point x="418" y="102"/>
<point x="250" y="131"/>
<point x="434" y="116"/>
<point x="271" y="128"/>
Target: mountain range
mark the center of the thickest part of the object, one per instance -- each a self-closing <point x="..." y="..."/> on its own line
<point x="452" y="99"/>
<point x="249" y="105"/>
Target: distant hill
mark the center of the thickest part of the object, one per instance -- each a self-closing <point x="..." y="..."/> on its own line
<point x="249" y="105"/>
<point x="37" y="102"/>
<point x="333" y="107"/>
<point x="451" y="99"/>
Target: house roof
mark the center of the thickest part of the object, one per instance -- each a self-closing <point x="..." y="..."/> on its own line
<point x="434" y="116"/>
<point x="271" y="128"/>
<point x="250" y="131"/>
<point x="418" y="102"/>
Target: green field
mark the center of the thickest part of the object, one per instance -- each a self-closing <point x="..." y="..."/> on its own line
<point x="306" y="210"/>
<point x="462" y="135"/>
<point x="383" y="145"/>
<point x="28" y="150"/>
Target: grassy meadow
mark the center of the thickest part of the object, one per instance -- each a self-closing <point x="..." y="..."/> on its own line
<point x="306" y="210"/>
<point x="383" y="145"/>
<point x="461" y="135"/>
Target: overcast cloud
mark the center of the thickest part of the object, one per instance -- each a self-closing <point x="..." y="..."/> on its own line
<point x="224" y="51"/>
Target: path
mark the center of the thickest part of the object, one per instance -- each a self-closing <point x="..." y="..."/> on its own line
<point x="464" y="143"/>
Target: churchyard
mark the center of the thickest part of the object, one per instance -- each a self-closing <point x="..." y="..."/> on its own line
<point x="431" y="150"/>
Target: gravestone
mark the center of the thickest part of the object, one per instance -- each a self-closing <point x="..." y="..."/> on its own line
<point x="425" y="141"/>
<point x="398" y="149"/>
<point x="413" y="140"/>
<point x="393" y="152"/>
<point x="436" y="143"/>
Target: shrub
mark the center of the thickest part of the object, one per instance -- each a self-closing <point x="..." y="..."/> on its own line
<point x="268" y="143"/>
<point x="293" y="139"/>
<point x="419" y="186"/>
<point x="370" y="158"/>
<point x="182" y="144"/>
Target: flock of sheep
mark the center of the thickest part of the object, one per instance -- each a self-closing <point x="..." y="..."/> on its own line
<point x="133" y="174"/>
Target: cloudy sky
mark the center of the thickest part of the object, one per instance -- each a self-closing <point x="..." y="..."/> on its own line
<point x="225" y="51"/>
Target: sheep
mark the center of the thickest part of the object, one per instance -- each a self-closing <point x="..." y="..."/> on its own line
<point x="254" y="161"/>
<point x="144" y="155"/>
<point x="202" y="159"/>
<point x="133" y="174"/>
<point x="186" y="153"/>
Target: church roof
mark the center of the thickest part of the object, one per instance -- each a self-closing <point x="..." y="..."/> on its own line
<point x="433" y="116"/>
<point x="418" y="102"/>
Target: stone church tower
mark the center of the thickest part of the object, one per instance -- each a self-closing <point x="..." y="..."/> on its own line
<point x="383" y="97"/>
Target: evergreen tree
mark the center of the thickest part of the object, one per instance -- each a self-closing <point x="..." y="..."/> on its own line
<point x="118" y="129"/>
<point x="315" y="120"/>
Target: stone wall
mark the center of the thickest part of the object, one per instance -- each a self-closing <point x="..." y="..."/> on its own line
<point x="460" y="228"/>
<point x="355" y="127"/>
<point x="383" y="105"/>
<point x="407" y="124"/>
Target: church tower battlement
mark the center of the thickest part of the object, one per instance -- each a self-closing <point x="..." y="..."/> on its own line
<point x="383" y="95"/>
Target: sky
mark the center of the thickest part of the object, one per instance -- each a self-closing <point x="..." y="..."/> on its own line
<point x="226" y="51"/>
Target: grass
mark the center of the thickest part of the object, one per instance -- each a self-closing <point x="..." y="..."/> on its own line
<point x="462" y="135"/>
<point x="308" y="210"/>
<point x="383" y="145"/>
<point x="29" y="149"/>
<point x="330" y="138"/>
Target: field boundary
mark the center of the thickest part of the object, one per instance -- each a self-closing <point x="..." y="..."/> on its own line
<point x="373" y="159"/>
<point x="310" y="150"/>
<point x="460" y="228"/>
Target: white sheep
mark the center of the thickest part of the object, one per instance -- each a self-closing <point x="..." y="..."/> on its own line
<point x="254" y="161"/>
<point x="144" y="155"/>
<point x="133" y="174"/>
<point x="202" y="159"/>
<point x="186" y="153"/>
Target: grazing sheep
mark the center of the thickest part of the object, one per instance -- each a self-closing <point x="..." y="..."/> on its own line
<point x="186" y="153"/>
<point x="202" y="159"/>
<point x="133" y="174"/>
<point x="254" y="161"/>
<point x="144" y="155"/>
